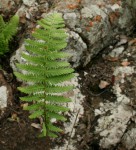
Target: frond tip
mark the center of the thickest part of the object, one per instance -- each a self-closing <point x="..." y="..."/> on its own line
<point x="47" y="71"/>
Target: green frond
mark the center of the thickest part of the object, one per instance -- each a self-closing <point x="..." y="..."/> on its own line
<point x="47" y="71"/>
<point x="41" y="70"/>
<point x="32" y="89"/>
<point x="31" y="98"/>
<point x="56" y="116"/>
<point x="58" y="72"/>
<point x="33" y="107"/>
<point x="3" y="45"/>
<point x="54" y="33"/>
<point x="37" y="44"/>
<point x="42" y="79"/>
<point x="36" y="114"/>
<point x="59" y="79"/>
<point x="56" y="46"/>
<point x="53" y="128"/>
<point x="30" y="78"/>
<point x="52" y="135"/>
<point x="48" y="40"/>
<point x="50" y="98"/>
<point x="2" y="24"/>
<point x="7" y="30"/>
<point x="56" y="108"/>
<point x="11" y="27"/>
<point x="41" y="59"/>
<point x="44" y="129"/>
<point x="57" y="99"/>
<point x="58" y="89"/>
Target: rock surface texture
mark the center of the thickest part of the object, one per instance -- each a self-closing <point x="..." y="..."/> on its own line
<point x="92" y="25"/>
<point x="97" y="23"/>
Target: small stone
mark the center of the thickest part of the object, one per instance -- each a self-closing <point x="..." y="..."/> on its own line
<point x="103" y="84"/>
<point x="97" y="112"/>
<point x="36" y="125"/>
<point x="3" y="96"/>
<point x="125" y="63"/>
<point x="117" y="51"/>
<point x="115" y="7"/>
<point x="121" y="42"/>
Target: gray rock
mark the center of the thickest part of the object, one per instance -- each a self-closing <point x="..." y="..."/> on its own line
<point x="76" y="47"/>
<point x="3" y="97"/>
<point x="129" y="139"/>
<point x="16" y="58"/>
<point x="71" y="18"/>
<point x="117" y="51"/>
<point x="29" y="2"/>
<point x="98" y="26"/>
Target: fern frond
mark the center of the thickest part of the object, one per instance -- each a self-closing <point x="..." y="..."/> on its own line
<point x="58" y="89"/>
<point x="41" y="59"/>
<point x="55" y="108"/>
<point x="7" y="30"/>
<point x="37" y="44"/>
<point x="49" y="64"/>
<point x="54" y="128"/>
<point x="41" y="70"/>
<point x="56" y="116"/>
<point x="36" y="114"/>
<point x="59" y="79"/>
<point x="3" y="45"/>
<point x="52" y="135"/>
<point x="11" y="28"/>
<point x="54" y="33"/>
<point x="30" y="78"/>
<point x="57" y="99"/>
<point x="46" y="69"/>
<point x="33" y="107"/>
<point x="50" y="98"/>
<point x="32" y="89"/>
<point x="2" y="24"/>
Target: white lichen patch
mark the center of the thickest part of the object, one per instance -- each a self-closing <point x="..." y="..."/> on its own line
<point x="76" y="111"/>
<point x="115" y="116"/>
<point x="3" y="97"/>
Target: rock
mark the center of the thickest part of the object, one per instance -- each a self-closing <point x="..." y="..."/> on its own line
<point x="98" y="23"/>
<point x="6" y="5"/>
<point x="114" y="123"/>
<point x="116" y="52"/>
<point x="103" y="84"/>
<point x="16" y="58"/>
<point x="115" y="7"/>
<point x="129" y="139"/>
<point x="71" y="18"/>
<point x="3" y="97"/>
<point x="76" y="47"/>
<point x="6" y="96"/>
<point x="29" y="3"/>
<point x="123" y="40"/>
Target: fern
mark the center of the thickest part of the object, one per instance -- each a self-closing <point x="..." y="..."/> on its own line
<point x="7" y="30"/>
<point x="46" y="71"/>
